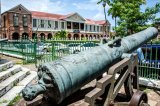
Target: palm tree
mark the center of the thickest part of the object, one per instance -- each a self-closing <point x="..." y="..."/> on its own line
<point x="112" y="11"/>
<point x="104" y="5"/>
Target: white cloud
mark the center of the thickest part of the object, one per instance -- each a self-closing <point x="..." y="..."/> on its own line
<point x="55" y="6"/>
<point x="99" y="16"/>
<point x="85" y="6"/>
<point x="92" y="5"/>
<point x="94" y="1"/>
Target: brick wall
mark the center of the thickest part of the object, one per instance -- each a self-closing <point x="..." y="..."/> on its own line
<point x="7" y="22"/>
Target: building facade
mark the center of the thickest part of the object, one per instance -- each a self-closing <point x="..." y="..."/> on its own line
<point x="19" y="22"/>
<point x="16" y="23"/>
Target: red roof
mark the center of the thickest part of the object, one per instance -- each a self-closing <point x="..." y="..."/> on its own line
<point x="101" y="22"/>
<point x="66" y="16"/>
<point x="37" y="14"/>
<point x="89" y="21"/>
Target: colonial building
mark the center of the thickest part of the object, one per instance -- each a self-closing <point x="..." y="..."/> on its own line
<point x="19" y="22"/>
<point x="16" y="22"/>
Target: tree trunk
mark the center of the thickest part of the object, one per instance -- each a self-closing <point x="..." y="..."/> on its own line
<point x="115" y="24"/>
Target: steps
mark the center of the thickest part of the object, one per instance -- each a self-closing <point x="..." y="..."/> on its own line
<point x="13" y="78"/>
<point x="6" y="65"/>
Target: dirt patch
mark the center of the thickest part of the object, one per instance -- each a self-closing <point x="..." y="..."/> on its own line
<point x="15" y="60"/>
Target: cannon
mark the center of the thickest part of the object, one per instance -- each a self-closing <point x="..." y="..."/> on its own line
<point x="61" y="78"/>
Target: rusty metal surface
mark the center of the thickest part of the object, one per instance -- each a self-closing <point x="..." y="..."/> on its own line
<point x="139" y="99"/>
<point x="63" y="77"/>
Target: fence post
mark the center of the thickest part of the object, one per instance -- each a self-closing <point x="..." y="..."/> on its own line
<point x="34" y="52"/>
<point x="1" y="49"/>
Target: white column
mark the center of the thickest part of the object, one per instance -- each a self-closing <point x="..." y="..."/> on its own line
<point x="46" y="24"/>
<point x="88" y="26"/>
<point x="38" y="22"/>
<point x="53" y="25"/>
<point x="92" y="28"/>
<point x="96" y="28"/>
<point x="59" y="25"/>
<point x="71" y="26"/>
<point x="65" y="25"/>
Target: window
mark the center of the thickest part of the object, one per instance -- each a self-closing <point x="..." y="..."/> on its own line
<point x="34" y="22"/>
<point x="101" y="28"/>
<point x="108" y="28"/>
<point x="42" y="23"/>
<point x="68" y="25"/>
<point x="86" y="27"/>
<point x="97" y="28"/>
<point x="94" y="28"/>
<point x="4" y="19"/>
<point x="25" y="21"/>
<point x="15" y="20"/>
<point x="49" y="24"/>
<point x="82" y="26"/>
<point x="90" y="27"/>
<point x="75" y="25"/>
<point x="56" y="24"/>
<point x="62" y="25"/>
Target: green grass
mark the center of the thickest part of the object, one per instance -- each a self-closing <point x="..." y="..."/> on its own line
<point x="147" y="90"/>
<point x="15" y="100"/>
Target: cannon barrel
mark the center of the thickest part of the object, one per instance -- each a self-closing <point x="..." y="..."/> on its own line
<point x="61" y="78"/>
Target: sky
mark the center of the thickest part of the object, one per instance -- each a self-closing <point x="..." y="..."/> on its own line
<point x="86" y="8"/>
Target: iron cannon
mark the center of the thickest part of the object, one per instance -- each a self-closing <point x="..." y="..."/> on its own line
<point x="61" y="78"/>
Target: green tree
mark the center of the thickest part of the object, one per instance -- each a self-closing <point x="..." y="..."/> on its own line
<point x="130" y="17"/>
<point x="61" y="34"/>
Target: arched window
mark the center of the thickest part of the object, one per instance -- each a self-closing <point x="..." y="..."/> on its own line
<point x="25" y="36"/>
<point x="49" y="36"/>
<point x="42" y="36"/>
<point x="15" y="36"/>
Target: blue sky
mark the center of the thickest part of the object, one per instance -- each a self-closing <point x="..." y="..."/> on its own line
<point x="86" y="8"/>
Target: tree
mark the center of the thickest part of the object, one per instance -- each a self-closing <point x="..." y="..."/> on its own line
<point x="61" y="34"/>
<point x="130" y="17"/>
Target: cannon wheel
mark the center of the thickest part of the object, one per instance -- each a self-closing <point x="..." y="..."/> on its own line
<point x="128" y="88"/>
<point x="139" y="99"/>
